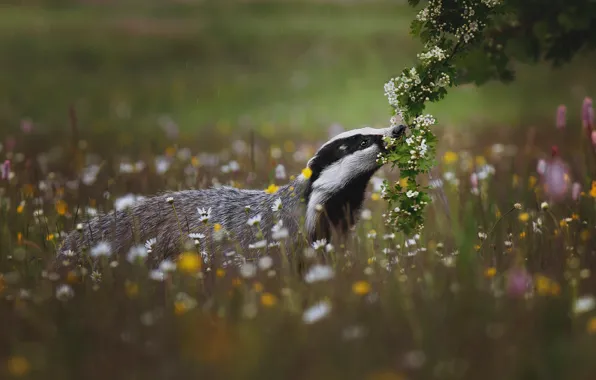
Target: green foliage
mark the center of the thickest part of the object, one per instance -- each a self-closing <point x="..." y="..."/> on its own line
<point x="447" y="29"/>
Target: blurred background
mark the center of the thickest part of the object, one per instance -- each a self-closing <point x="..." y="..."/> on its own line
<point x="291" y="65"/>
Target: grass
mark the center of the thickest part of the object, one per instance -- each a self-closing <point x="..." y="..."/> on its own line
<point x="488" y="290"/>
<point x="301" y="65"/>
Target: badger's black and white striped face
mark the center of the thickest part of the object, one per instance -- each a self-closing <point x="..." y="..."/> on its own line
<point x="342" y="167"/>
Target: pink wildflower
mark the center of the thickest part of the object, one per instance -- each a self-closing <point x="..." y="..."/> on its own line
<point x="5" y="170"/>
<point x="561" y="116"/>
<point x="576" y="190"/>
<point x="556" y="179"/>
<point x="588" y="115"/>
<point x="519" y="282"/>
<point x="26" y="125"/>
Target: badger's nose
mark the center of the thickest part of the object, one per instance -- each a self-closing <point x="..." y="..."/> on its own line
<point x="398" y="130"/>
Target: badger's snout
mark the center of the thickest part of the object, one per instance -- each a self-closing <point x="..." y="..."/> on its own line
<point x="398" y="131"/>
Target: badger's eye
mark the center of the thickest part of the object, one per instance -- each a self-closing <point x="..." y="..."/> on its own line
<point x="364" y="143"/>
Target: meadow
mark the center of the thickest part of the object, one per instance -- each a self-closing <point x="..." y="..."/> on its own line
<point x="498" y="285"/>
<point x="100" y="109"/>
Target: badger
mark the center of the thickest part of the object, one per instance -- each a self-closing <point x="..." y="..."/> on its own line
<point x="310" y="207"/>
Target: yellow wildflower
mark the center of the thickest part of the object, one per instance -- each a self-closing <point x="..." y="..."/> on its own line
<point x="532" y="182"/>
<point x="546" y="286"/>
<point x="306" y="172"/>
<point x="289" y="146"/>
<point x="21" y="207"/>
<point x="292" y="177"/>
<point x="194" y="161"/>
<point x="180" y="307"/>
<point x="522" y="235"/>
<point x="268" y="300"/>
<point x="575" y="216"/>
<point x="361" y="287"/>
<point x="28" y="190"/>
<point x="591" y="327"/>
<point x="272" y="189"/>
<point x="236" y="282"/>
<point x="18" y="366"/>
<point x="61" y="207"/>
<point x="593" y="190"/>
<point x="403" y="182"/>
<point x="480" y="161"/>
<point x="375" y="196"/>
<point x="131" y="289"/>
<point x="524" y="217"/>
<point x="216" y="227"/>
<point x="220" y="272"/>
<point x="449" y="157"/>
<point x="490" y="272"/>
<point x="189" y="262"/>
<point x="258" y="287"/>
<point x="72" y="277"/>
<point x="170" y="151"/>
<point x="20" y="238"/>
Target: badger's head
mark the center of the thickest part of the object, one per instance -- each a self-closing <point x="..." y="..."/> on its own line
<point x="341" y="170"/>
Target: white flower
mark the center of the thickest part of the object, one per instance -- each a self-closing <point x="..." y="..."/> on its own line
<point x="316" y="312"/>
<point x="276" y="205"/>
<point x="255" y="220"/>
<point x="248" y="270"/>
<point x="329" y="248"/>
<point x="318" y="244"/>
<point x="412" y="194"/>
<point x="167" y="266"/>
<point x="127" y="201"/>
<point x="390" y="236"/>
<point x="64" y="292"/>
<point x="280" y="172"/>
<point x="162" y="164"/>
<point x="234" y="166"/>
<point x="204" y="214"/>
<point x="149" y="244"/>
<point x="265" y="262"/>
<point x="258" y="245"/>
<point x="278" y="232"/>
<point x="319" y="273"/>
<point x="366" y="214"/>
<point x="101" y="249"/>
<point x="170" y="200"/>
<point x="157" y="275"/>
<point x="584" y="304"/>
<point x="137" y="252"/>
<point x="196" y="236"/>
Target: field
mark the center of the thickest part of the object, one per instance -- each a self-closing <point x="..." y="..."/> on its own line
<point x="100" y="109"/>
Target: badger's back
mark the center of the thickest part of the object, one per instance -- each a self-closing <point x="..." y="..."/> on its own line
<point x="170" y="221"/>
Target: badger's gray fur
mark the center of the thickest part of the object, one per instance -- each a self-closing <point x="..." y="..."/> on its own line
<point x="341" y="170"/>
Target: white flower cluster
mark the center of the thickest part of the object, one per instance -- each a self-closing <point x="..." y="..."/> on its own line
<point x="431" y="12"/>
<point x="491" y="3"/>
<point x="434" y="54"/>
<point x="424" y="121"/>
<point x="471" y="26"/>
<point x="418" y="149"/>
